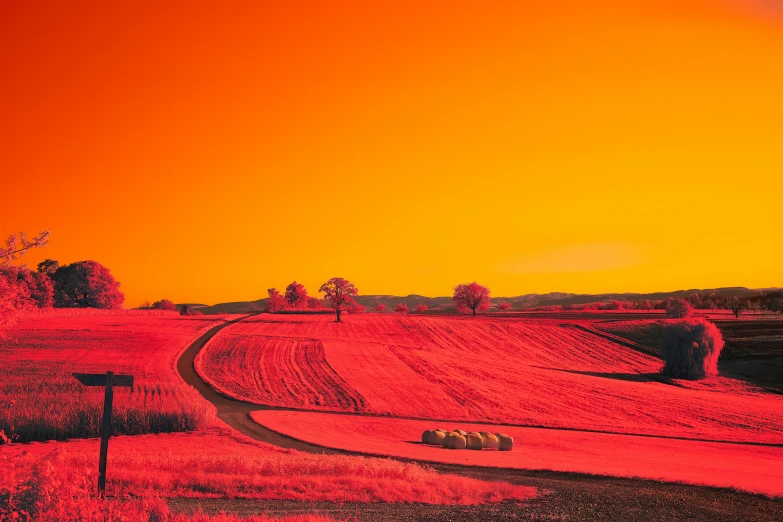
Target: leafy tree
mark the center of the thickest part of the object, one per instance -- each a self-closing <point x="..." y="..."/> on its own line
<point x="380" y="308"/>
<point x="314" y="302"/>
<point x="421" y="308"/>
<point x="472" y="296"/>
<point x="48" y="267"/>
<point x="86" y="284"/>
<point x="340" y="293"/>
<point x="275" y="302"/>
<point x="505" y="305"/>
<point x="677" y="308"/>
<point x="164" y="304"/>
<point x="296" y="295"/>
<point x="402" y="308"/>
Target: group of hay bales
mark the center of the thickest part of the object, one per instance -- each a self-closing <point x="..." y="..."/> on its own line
<point x="474" y="440"/>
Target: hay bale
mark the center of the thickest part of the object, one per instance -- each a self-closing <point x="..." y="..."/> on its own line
<point x="425" y="437"/>
<point x="463" y="433"/>
<point x="505" y="443"/>
<point x="490" y="440"/>
<point x="454" y="441"/>
<point x="436" y="438"/>
<point x="473" y="441"/>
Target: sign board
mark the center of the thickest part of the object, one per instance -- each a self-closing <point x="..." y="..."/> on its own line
<point x="99" y="379"/>
<point x="109" y="380"/>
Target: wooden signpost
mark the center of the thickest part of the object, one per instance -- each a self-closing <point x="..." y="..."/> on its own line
<point x="109" y="380"/>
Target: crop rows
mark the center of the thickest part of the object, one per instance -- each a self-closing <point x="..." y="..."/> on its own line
<point x="517" y="371"/>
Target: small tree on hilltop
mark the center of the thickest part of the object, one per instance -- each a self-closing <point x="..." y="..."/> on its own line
<point x="340" y="293"/>
<point x="504" y="306"/>
<point x="164" y="304"/>
<point x="86" y="284"/>
<point x="421" y="308"/>
<point x="296" y="295"/>
<point x="472" y="297"/>
<point x="690" y="349"/>
<point x="677" y="308"/>
<point x="402" y="308"/>
<point x="275" y="302"/>
<point x="380" y="308"/>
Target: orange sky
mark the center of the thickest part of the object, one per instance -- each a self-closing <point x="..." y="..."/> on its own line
<point x="206" y="155"/>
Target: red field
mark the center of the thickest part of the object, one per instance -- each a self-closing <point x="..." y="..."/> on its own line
<point x="512" y="371"/>
<point x="40" y="400"/>
<point x="757" y="469"/>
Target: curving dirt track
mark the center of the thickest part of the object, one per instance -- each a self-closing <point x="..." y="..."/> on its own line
<point x="566" y="496"/>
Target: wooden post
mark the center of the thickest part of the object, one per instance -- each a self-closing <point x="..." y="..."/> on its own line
<point x="105" y="432"/>
<point x="109" y="381"/>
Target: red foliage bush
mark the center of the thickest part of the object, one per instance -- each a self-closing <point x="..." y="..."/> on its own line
<point x="402" y="308"/>
<point x="164" y="304"/>
<point x="421" y="308"/>
<point x="677" y="308"/>
<point x="356" y="309"/>
<point x="505" y="305"/>
<point x="296" y="295"/>
<point x="380" y="308"/>
<point x="690" y="349"/>
<point x="275" y="302"/>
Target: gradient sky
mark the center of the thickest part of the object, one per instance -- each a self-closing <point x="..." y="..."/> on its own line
<point x="206" y="154"/>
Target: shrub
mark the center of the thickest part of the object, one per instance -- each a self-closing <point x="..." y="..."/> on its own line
<point x="677" y="308"/>
<point x="690" y="349"/>
<point x="421" y="308"/>
<point x="356" y="309"/>
<point x="402" y="308"/>
<point x="164" y="304"/>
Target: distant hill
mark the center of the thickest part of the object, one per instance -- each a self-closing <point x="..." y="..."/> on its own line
<point x="519" y="302"/>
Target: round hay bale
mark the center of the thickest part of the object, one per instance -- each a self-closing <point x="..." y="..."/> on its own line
<point x="425" y="437"/>
<point x="436" y="438"/>
<point x="490" y="441"/>
<point x="463" y="433"/>
<point x="485" y="433"/>
<point x="473" y="441"/>
<point x="505" y="443"/>
<point x="458" y="442"/>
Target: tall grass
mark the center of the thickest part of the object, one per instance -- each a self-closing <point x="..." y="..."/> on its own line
<point x="41" y="400"/>
<point x="52" y="490"/>
<point x="63" y="409"/>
